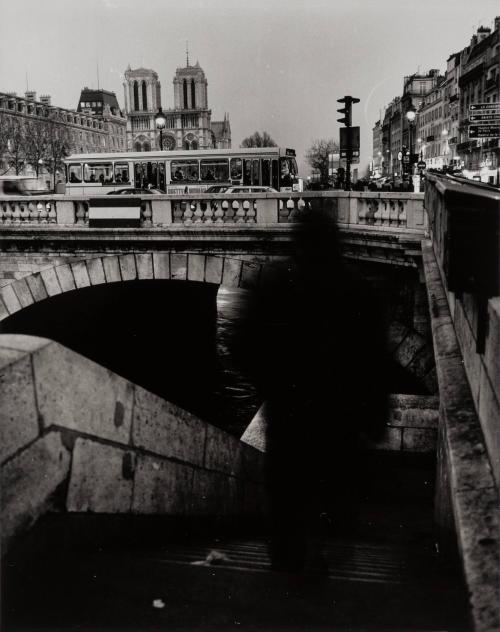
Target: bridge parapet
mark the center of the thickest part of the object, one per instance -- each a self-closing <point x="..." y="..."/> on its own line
<point x="372" y="210"/>
<point x="462" y="273"/>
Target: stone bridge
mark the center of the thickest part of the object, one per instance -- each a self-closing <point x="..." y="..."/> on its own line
<point x="120" y="453"/>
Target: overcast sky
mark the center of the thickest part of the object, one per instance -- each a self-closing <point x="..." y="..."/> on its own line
<point x="274" y="65"/>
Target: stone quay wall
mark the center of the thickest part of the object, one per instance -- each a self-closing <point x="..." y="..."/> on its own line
<point x="75" y="437"/>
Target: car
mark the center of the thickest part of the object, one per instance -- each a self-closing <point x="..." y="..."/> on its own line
<point x="135" y="191"/>
<point x="217" y="188"/>
<point x="18" y="185"/>
<point x="249" y="189"/>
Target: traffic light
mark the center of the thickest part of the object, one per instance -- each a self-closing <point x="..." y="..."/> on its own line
<point x="348" y="115"/>
<point x="347" y="110"/>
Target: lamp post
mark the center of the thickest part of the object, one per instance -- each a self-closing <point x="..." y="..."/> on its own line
<point x="160" y="121"/>
<point x="444" y="134"/>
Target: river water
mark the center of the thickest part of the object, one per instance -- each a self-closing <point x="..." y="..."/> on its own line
<point x="235" y="396"/>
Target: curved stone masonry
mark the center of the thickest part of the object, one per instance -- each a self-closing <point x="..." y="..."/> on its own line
<point x="78" y="438"/>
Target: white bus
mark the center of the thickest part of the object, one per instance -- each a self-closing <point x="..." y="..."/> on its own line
<point x="180" y="172"/>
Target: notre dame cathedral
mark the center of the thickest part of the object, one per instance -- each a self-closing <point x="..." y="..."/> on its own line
<point x="188" y="123"/>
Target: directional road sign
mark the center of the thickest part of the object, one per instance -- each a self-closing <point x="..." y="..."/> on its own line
<point x="484" y="106"/>
<point x="485" y="119"/>
<point x="484" y="131"/>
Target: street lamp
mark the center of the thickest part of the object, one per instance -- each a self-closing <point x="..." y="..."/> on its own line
<point x="160" y="121"/>
<point x="444" y="134"/>
<point x="410" y="116"/>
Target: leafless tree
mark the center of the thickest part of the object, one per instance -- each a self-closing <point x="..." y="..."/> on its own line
<point x="15" y="144"/>
<point x="318" y="156"/>
<point x="37" y="143"/>
<point x="59" y="146"/>
<point x="258" y="140"/>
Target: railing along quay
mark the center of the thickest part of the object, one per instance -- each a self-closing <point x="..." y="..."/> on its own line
<point x="384" y="211"/>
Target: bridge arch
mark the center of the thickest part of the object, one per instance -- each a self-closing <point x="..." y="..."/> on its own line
<point x="409" y="350"/>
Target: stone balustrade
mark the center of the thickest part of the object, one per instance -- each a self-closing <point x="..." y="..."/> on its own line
<point x="382" y="211"/>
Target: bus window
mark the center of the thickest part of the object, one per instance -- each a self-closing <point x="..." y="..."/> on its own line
<point x="121" y="172"/>
<point x="183" y="170"/>
<point x="286" y="174"/>
<point x="99" y="172"/>
<point x="75" y="173"/>
<point x="162" y="184"/>
<point x="275" y="180"/>
<point x="266" y="172"/>
<point x="247" y="172"/>
<point x="138" y="175"/>
<point x="214" y="169"/>
<point x="256" y="171"/>
<point x="236" y="168"/>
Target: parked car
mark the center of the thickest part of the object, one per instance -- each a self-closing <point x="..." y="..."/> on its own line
<point x="135" y="191"/>
<point x="217" y="188"/>
<point x="249" y="189"/>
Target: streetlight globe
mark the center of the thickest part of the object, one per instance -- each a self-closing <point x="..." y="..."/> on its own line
<point x="160" y="119"/>
<point x="410" y="115"/>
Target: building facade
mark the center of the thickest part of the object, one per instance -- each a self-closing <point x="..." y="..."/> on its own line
<point x="86" y="131"/>
<point x="440" y="133"/>
<point x="377" y="157"/>
<point x="479" y="83"/>
<point x="432" y="139"/>
<point x="188" y="123"/>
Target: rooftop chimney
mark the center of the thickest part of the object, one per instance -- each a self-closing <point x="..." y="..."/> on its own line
<point x="45" y="99"/>
<point x="30" y="95"/>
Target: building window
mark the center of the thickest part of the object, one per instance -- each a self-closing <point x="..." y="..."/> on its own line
<point x="144" y="96"/>
<point x="136" y="97"/>
<point x="185" y="91"/>
<point x="193" y="94"/>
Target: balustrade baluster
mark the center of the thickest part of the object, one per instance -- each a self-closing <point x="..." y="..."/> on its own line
<point x="238" y="211"/>
<point x="198" y="213"/>
<point x="42" y="213"/>
<point x="80" y="213"/>
<point x="370" y="213"/>
<point x="282" y="212"/>
<point x="386" y="213"/>
<point x="245" y="207"/>
<point x="7" y="213"/>
<point x="188" y="213"/>
<point x="208" y="212"/>
<point x="32" y="213"/>
<point x="363" y="211"/>
<point x="393" y="214"/>
<point x="227" y="212"/>
<point x="402" y="214"/>
<point x="51" y="212"/>
<point x="16" y="214"/>
<point x="146" y="214"/>
<point x="378" y="216"/>
<point x="24" y="213"/>
<point x="252" y="212"/>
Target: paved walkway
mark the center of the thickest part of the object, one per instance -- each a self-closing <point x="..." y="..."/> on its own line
<point x="387" y="575"/>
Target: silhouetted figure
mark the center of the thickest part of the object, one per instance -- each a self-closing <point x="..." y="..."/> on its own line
<point x="318" y="363"/>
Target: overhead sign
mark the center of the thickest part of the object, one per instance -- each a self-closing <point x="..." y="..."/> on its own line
<point x="349" y="138"/>
<point x="485" y="118"/>
<point x="484" y="131"/>
<point x="484" y="106"/>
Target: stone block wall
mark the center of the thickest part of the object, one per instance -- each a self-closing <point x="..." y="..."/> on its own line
<point x="467" y="499"/>
<point x="411" y="426"/>
<point x="74" y="437"/>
